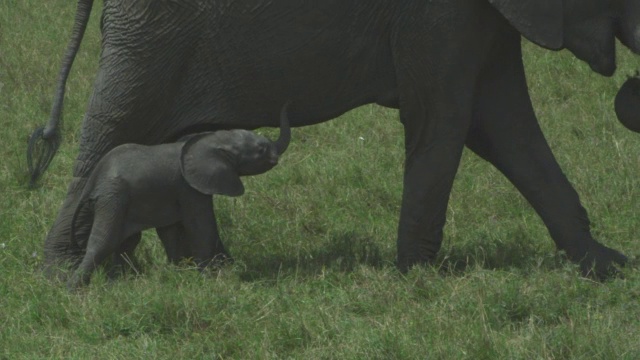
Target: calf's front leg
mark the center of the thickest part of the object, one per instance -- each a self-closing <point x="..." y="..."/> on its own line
<point x="201" y="231"/>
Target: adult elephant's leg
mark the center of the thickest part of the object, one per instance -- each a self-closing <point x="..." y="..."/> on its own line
<point x="139" y="74"/>
<point x="60" y="253"/>
<point x="435" y="88"/>
<point x="435" y="130"/>
<point x="433" y="150"/>
<point x="505" y="132"/>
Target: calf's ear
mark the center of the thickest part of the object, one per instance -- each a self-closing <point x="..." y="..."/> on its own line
<point x="207" y="170"/>
<point x="540" y="21"/>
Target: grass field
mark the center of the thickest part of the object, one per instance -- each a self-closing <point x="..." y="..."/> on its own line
<point x="314" y="239"/>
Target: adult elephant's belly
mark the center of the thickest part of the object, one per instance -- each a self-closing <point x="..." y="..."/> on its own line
<point x="244" y="83"/>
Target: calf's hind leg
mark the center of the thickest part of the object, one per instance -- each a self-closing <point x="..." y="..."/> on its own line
<point x="105" y="239"/>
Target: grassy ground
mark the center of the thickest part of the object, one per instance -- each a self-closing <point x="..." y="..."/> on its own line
<point x="314" y="239"/>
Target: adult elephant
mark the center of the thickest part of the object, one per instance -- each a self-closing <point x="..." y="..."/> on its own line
<point x="453" y="68"/>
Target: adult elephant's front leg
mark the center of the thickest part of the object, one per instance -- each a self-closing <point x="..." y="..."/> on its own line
<point x="434" y="135"/>
<point x="505" y="132"/>
<point x="436" y="65"/>
<point x="427" y="184"/>
<point x="60" y="253"/>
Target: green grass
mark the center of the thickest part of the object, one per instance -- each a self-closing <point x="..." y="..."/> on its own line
<point x="314" y="239"/>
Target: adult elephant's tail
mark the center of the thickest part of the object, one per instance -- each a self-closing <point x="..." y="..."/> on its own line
<point x="45" y="141"/>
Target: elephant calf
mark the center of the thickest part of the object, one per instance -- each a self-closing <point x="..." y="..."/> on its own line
<point x="168" y="187"/>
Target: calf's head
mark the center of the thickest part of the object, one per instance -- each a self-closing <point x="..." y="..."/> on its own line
<point x="212" y="163"/>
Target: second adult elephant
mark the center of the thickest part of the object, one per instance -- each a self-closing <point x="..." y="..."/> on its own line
<point x="453" y="68"/>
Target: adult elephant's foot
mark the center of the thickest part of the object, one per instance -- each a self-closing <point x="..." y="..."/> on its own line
<point x="596" y="260"/>
<point x="410" y="256"/>
<point x="60" y="254"/>
<point x="404" y="265"/>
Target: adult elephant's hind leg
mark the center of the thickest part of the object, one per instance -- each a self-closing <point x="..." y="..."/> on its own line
<point x="60" y="253"/>
<point x="505" y="132"/>
<point x="142" y="62"/>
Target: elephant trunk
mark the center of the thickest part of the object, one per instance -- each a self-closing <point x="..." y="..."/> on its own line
<point x="285" y="130"/>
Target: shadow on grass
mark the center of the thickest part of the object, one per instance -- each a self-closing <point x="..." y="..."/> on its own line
<point x="519" y="253"/>
<point x="344" y="252"/>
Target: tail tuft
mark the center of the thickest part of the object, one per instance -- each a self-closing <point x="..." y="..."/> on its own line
<point x="41" y="151"/>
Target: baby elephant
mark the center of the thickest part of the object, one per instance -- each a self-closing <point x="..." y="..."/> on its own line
<point x="169" y="187"/>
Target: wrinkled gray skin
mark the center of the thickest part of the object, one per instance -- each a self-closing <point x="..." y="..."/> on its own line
<point x="452" y="67"/>
<point x="169" y="187"/>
